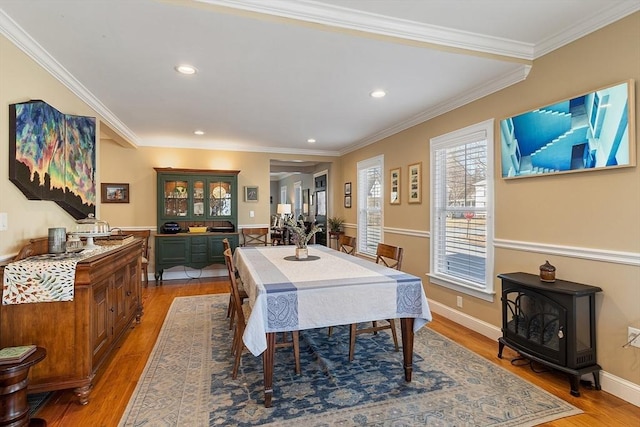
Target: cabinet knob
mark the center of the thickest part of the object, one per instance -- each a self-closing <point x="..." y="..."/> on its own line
<point x="128" y="293"/>
<point x="112" y="309"/>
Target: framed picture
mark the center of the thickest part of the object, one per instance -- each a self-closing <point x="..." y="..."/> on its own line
<point x="46" y="142"/>
<point x="115" y="193"/>
<point x="394" y="186"/>
<point x="347" y="188"/>
<point x="250" y="193"/>
<point x="347" y="201"/>
<point x="415" y="183"/>
<point x="595" y="130"/>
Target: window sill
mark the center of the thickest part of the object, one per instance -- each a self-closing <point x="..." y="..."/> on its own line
<point x="460" y="286"/>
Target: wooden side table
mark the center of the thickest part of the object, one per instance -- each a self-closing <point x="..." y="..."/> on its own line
<point x="14" y="407"/>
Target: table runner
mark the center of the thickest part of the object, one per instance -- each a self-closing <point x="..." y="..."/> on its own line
<point x="335" y="289"/>
<point x="44" y="278"/>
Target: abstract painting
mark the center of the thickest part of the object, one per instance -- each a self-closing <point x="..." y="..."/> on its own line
<point x="52" y="156"/>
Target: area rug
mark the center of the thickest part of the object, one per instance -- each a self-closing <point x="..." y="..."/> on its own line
<point x="187" y="381"/>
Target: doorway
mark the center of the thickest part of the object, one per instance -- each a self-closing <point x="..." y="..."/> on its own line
<point x="320" y="191"/>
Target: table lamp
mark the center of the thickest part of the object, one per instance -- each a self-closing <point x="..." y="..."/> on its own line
<point x="283" y="210"/>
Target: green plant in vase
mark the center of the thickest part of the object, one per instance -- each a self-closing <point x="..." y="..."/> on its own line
<point x="335" y="224"/>
<point x="299" y="235"/>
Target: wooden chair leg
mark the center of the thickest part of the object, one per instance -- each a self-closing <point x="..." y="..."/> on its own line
<point x="238" y="353"/>
<point x="233" y="343"/>
<point x="394" y="334"/>
<point x="232" y="316"/>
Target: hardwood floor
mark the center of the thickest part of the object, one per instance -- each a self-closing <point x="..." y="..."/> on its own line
<point x="115" y="383"/>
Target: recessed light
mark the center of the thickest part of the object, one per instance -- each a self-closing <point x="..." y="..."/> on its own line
<point x="186" y="69"/>
<point x="378" y="94"/>
<point x="198" y="132"/>
<point x="311" y="141"/>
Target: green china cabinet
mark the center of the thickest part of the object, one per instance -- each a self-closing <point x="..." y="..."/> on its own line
<point x="196" y="210"/>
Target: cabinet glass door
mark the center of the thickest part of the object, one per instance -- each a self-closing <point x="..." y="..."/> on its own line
<point x="220" y="199"/>
<point x="198" y="199"/>
<point x="176" y="193"/>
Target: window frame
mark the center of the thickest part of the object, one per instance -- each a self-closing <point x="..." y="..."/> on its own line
<point x="469" y="134"/>
<point x="363" y="210"/>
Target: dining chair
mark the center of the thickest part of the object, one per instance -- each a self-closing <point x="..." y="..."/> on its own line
<point x="347" y="244"/>
<point x="255" y="236"/>
<point x="144" y="234"/>
<point x="242" y="313"/>
<point x="243" y="294"/>
<point x="389" y="256"/>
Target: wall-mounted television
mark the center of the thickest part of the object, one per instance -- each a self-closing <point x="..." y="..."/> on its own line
<point x="594" y="130"/>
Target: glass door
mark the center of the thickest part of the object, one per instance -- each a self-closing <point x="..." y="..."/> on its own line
<point x="220" y="199"/>
<point x="198" y="199"/>
<point x="176" y="194"/>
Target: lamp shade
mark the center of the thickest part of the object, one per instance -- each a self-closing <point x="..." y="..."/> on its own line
<point x="284" y="209"/>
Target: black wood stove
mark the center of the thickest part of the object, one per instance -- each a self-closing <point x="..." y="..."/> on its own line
<point x="551" y="323"/>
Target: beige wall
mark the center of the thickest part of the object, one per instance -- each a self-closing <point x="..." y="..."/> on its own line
<point x="22" y="80"/>
<point x="596" y="210"/>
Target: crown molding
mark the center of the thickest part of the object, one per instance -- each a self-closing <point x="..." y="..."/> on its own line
<point x="506" y="80"/>
<point x="12" y="31"/>
<point x="583" y="28"/>
<point x="350" y="19"/>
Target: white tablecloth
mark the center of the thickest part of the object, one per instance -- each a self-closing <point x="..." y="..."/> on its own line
<point x="336" y="289"/>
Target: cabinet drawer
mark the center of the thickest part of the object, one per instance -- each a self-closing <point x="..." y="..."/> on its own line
<point x="198" y="249"/>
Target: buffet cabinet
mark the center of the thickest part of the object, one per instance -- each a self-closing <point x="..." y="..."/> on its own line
<point x="79" y="335"/>
<point x="196" y="210"/>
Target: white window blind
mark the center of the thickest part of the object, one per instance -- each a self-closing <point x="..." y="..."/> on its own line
<point x="370" y="189"/>
<point x="461" y="204"/>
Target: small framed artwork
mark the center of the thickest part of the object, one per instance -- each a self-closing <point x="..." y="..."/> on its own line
<point x="394" y="186"/>
<point x="347" y="201"/>
<point x="415" y="183"/>
<point x="250" y="193"/>
<point x="115" y="193"/>
<point x="347" y="188"/>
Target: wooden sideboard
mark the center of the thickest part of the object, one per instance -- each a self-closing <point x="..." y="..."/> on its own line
<point x="79" y="335"/>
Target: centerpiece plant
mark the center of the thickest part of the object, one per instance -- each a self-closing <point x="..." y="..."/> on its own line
<point x="299" y="235"/>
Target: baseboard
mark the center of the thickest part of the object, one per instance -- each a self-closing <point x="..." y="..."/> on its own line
<point x="612" y="384"/>
<point x="180" y="273"/>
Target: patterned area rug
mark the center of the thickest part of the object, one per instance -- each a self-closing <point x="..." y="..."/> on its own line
<point x="187" y="381"/>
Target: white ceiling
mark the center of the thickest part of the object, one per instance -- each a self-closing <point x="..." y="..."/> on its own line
<point x="273" y="73"/>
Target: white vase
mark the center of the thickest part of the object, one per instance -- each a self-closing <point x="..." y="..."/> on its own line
<point x="302" y="253"/>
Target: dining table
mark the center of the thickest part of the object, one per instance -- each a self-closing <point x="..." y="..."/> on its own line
<point x="327" y="288"/>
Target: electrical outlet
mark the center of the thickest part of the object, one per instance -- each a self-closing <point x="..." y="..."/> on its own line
<point x="459" y="301"/>
<point x="3" y="221"/>
<point x="633" y="332"/>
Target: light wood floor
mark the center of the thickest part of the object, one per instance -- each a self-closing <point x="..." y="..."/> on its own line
<point x="115" y="384"/>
